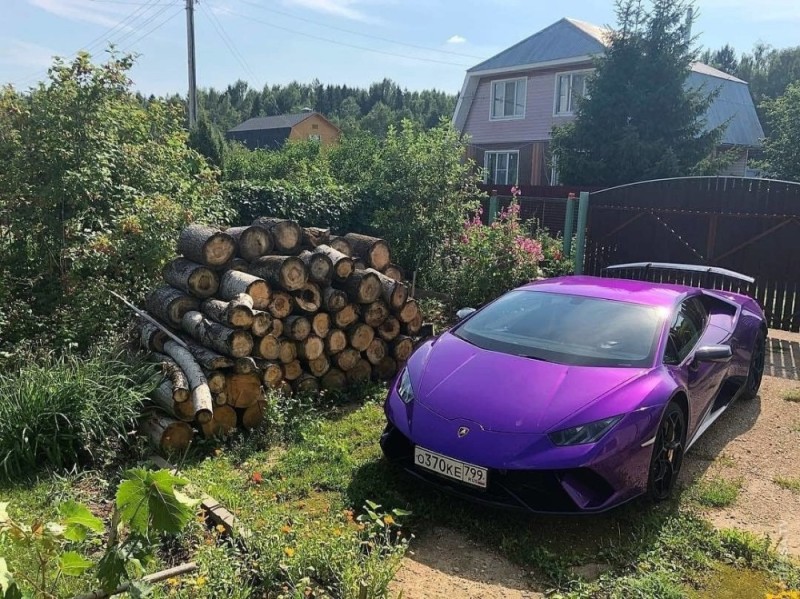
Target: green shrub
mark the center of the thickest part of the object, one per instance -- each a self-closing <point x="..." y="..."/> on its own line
<point x="60" y="411"/>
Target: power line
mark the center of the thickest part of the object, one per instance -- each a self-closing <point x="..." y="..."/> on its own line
<point x="153" y="29"/>
<point x="337" y="42"/>
<point x="131" y="32"/>
<point x="226" y="39"/>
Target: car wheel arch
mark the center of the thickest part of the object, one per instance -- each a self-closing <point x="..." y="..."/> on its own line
<point x="679" y="397"/>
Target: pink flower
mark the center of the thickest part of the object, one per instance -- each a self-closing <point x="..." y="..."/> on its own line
<point x="531" y="247"/>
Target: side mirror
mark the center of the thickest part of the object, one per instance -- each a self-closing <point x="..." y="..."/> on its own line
<point x="464" y="312"/>
<point x="713" y="353"/>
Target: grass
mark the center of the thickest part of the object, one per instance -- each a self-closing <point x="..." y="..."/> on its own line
<point x="790" y="483"/>
<point x="716" y="491"/>
<point x="792" y="396"/>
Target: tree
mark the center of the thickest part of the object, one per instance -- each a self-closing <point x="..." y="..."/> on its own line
<point x="640" y="121"/>
<point x="781" y="148"/>
<point x="723" y="59"/>
<point x="206" y="139"/>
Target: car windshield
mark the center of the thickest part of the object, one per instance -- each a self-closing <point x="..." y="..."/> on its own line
<point x="567" y="329"/>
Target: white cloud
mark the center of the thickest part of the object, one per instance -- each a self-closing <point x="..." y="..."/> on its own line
<point x="340" y="8"/>
<point x="20" y="53"/>
<point x="456" y="39"/>
<point x="107" y="15"/>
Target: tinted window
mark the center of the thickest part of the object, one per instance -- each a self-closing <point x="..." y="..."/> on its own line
<point x="567" y="329"/>
<point x="685" y="331"/>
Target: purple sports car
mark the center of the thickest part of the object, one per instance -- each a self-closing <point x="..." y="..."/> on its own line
<point x="574" y="394"/>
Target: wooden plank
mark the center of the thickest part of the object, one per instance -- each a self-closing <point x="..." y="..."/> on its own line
<point x="769" y="302"/>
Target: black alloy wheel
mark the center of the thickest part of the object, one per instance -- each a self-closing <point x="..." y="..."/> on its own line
<point x="668" y="449"/>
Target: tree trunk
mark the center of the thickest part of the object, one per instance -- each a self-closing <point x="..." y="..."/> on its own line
<point x="287" y="351"/>
<point x="374" y="251"/>
<point x="389" y="329"/>
<point x="359" y="264"/>
<point x="151" y="338"/>
<point x="376" y="351"/>
<point x="283" y="272"/>
<point x="321" y="324"/>
<point x="315" y="236"/>
<point x="413" y="326"/>
<point x="333" y="299"/>
<point x="287" y="234"/>
<point x="311" y="348"/>
<point x="347" y="358"/>
<point x="401" y="348"/>
<point x="223" y="422"/>
<point x="168" y="305"/>
<point x="206" y="245"/>
<point x="245" y="365"/>
<point x="238" y="264"/>
<point x="363" y="286"/>
<point x="359" y="373"/>
<point x="200" y="399"/>
<point x="273" y="375"/>
<point x="208" y="359"/>
<point x="360" y="335"/>
<point x="252" y="416"/>
<point x="340" y="244"/>
<point x="268" y="347"/>
<point x="243" y="390"/>
<point x="168" y="434"/>
<point x="308" y="298"/>
<point x="191" y="277"/>
<point x="231" y="342"/>
<point x="319" y="365"/>
<point x="296" y="327"/>
<point x="341" y="263"/>
<point x="386" y="369"/>
<point x="292" y="370"/>
<point x="306" y="383"/>
<point x="335" y="341"/>
<point x="202" y="404"/>
<point x="334" y="379"/>
<point x="394" y="294"/>
<point x="346" y="316"/>
<point x="375" y="314"/>
<point x="409" y="311"/>
<point x="282" y="304"/>
<point x="262" y="323"/>
<point x="215" y="380"/>
<point x="394" y="272"/>
<point x="163" y="396"/>
<point x="319" y="266"/>
<point x="176" y="376"/>
<point x="235" y="282"/>
<point x="252" y="242"/>
<point x="236" y="314"/>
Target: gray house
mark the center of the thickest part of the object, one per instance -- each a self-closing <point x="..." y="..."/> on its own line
<point x="509" y="103"/>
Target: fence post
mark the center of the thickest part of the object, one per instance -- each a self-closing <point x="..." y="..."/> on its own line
<point x="569" y="225"/>
<point x="580" y="238"/>
<point x="492" y="208"/>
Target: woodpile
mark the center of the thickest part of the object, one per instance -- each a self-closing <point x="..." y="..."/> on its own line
<point x="269" y="306"/>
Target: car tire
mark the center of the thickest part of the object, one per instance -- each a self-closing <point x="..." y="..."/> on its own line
<point x="756" y="371"/>
<point x="668" y="450"/>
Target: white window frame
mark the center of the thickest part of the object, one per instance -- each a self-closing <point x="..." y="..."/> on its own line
<point x="486" y="166"/>
<point x="571" y="74"/>
<point x="492" y="87"/>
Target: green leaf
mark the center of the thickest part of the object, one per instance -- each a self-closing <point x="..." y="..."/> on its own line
<point x="140" y="588"/>
<point x="111" y="569"/>
<point x="79" y="521"/>
<point x="73" y="563"/>
<point x="148" y="501"/>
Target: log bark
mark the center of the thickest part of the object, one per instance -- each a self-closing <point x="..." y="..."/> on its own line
<point x="335" y="341"/>
<point x="395" y="272"/>
<point x="231" y="342"/>
<point x="191" y="278"/>
<point x="359" y="264"/>
<point x="374" y="251"/>
<point x="268" y="347"/>
<point x="151" y="338"/>
<point x="306" y="383"/>
<point x="385" y="369"/>
<point x="311" y="348"/>
<point x="251" y="242"/>
<point x="286" y="234"/>
<point x="177" y="379"/>
<point x="308" y="298"/>
<point x="409" y="311"/>
<point x="360" y="335"/>
<point x="239" y="264"/>
<point x="168" y="305"/>
<point x="347" y="359"/>
<point x="208" y="359"/>
<point x="243" y="390"/>
<point x="341" y="263"/>
<point x="389" y="329"/>
<point x="206" y="245"/>
<point x="234" y="282"/>
<point x="340" y="244"/>
<point x="334" y="379"/>
<point x="292" y="370"/>
<point x="319" y="266"/>
<point x="375" y="314"/>
<point x="401" y="348"/>
<point x="193" y="372"/>
<point x="245" y="365"/>
<point x="346" y="316"/>
<point x="163" y="397"/>
<point x="168" y="434"/>
<point x="321" y="324"/>
<point x="333" y="299"/>
<point x="315" y="236"/>
<point x="296" y="328"/>
<point x="252" y="416"/>
<point x="284" y="272"/>
<point x="413" y="326"/>
<point x="215" y="380"/>
<point x="376" y="351"/>
<point x="202" y="404"/>
<point x="272" y="375"/>
<point x="287" y="351"/>
<point x="394" y="294"/>
<point x="359" y="373"/>
<point x="282" y="304"/>
<point x="319" y="365"/>
<point x="236" y="314"/>
<point x="262" y="323"/>
<point x="363" y="286"/>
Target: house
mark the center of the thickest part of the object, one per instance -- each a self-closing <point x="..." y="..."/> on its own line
<point x="271" y="132"/>
<point x="509" y="103"/>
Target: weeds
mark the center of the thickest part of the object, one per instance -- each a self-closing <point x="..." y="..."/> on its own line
<point x="716" y="491"/>
<point x="792" y="396"/>
<point x="790" y="483"/>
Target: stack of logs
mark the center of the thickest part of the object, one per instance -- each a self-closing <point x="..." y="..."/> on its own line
<point x="270" y="306"/>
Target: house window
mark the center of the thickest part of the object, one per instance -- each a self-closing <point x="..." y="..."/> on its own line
<point x="554" y="170"/>
<point x="508" y="99"/>
<point x="570" y="87"/>
<point x="501" y="168"/>
<point x="314" y="137"/>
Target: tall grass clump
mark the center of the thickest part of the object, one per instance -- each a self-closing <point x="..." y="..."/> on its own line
<point x="61" y="411"/>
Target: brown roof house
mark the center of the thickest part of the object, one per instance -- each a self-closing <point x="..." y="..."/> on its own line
<point x="271" y="132"/>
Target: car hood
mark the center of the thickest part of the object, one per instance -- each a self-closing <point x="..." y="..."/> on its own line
<point x="505" y="393"/>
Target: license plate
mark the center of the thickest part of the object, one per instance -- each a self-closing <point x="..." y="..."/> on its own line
<point x="454" y="469"/>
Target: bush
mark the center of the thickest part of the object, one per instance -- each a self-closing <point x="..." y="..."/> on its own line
<point x="68" y="410"/>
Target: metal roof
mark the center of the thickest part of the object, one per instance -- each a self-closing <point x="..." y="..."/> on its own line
<point x="281" y="121"/>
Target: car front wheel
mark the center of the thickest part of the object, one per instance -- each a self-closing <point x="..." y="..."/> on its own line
<point x="668" y="449"/>
<point x="756" y="371"/>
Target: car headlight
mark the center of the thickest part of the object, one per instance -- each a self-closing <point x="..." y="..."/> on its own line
<point x="404" y="388"/>
<point x="585" y="433"/>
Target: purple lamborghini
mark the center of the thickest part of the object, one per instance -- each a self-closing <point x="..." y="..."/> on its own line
<point x="574" y="394"/>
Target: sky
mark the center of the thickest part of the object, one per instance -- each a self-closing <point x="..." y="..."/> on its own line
<point x="418" y="43"/>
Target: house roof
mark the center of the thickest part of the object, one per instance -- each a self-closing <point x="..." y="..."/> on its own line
<point x="281" y="121"/>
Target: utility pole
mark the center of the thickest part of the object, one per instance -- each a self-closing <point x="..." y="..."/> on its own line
<point x="192" y="63"/>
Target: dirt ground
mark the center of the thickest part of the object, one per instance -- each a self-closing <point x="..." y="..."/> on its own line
<point x="755" y="441"/>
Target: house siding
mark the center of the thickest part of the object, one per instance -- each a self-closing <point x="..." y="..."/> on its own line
<point x="328" y="133"/>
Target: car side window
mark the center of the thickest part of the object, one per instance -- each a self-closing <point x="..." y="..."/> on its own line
<point x="685" y="331"/>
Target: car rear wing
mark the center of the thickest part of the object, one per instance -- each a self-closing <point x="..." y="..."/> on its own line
<point x="695" y="275"/>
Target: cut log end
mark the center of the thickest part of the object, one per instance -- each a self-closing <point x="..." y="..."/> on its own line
<point x="334" y="379"/>
<point x="361" y="372"/>
<point x="292" y="370"/>
<point x="335" y="342"/>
